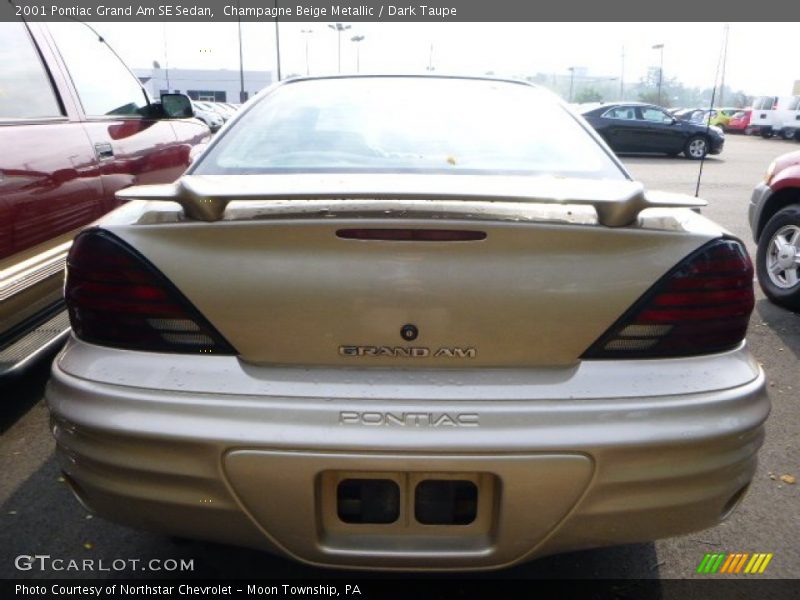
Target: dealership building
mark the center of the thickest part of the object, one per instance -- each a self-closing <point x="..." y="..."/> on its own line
<point x="220" y="85"/>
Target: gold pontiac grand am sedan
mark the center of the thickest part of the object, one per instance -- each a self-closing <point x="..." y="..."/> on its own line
<point x="408" y="323"/>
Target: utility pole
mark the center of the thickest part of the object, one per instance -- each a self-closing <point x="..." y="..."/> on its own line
<point x="571" y="81"/>
<point x="726" y="31"/>
<point x="356" y="39"/>
<point x="430" y="60"/>
<point x="277" y="43"/>
<point x="307" y="33"/>
<point x="622" y="77"/>
<point x="660" y="70"/>
<point x="166" y="59"/>
<point x="242" y="93"/>
<point x="339" y="28"/>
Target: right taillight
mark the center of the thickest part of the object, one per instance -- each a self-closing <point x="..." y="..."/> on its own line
<point x="701" y="306"/>
<point x="117" y="298"/>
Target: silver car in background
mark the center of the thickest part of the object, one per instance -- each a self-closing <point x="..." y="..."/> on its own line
<point x="211" y="118"/>
<point x="218" y="108"/>
<point x="408" y="323"/>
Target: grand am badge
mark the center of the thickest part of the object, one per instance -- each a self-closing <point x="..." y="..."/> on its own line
<point x="406" y="352"/>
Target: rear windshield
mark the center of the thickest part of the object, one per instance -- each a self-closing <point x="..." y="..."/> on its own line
<point x="415" y="125"/>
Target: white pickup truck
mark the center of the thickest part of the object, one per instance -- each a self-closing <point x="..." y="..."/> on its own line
<point x="776" y="115"/>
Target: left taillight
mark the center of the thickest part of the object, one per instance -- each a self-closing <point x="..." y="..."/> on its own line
<point x="117" y="298"/>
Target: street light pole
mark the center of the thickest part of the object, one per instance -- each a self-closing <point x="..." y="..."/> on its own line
<point x="660" y="70"/>
<point x="571" y="81"/>
<point x="277" y="43"/>
<point x="307" y="33"/>
<point x="242" y="97"/>
<point x="339" y="28"/>
<point x="166" y="58"/>
<point x="356" y="39"/>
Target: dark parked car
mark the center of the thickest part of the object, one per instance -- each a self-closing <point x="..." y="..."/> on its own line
<point x="775" y="220"/>
<point x="687" y="114"/>
<point x="637" y="127"/>
<point x="75" y="127"/>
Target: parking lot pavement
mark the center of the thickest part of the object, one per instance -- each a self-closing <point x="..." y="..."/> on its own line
<point x="39" y="515"/>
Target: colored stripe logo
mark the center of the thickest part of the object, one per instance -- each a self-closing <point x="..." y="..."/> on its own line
<point x="734" y="563"/>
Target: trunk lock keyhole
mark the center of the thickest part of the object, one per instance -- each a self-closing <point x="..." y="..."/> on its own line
<point x="409" y="332"/>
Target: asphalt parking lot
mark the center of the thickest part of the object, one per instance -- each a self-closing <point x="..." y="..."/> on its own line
<point x="39" y="515"/>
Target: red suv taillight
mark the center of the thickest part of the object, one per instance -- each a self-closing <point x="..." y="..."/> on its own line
<point x="117" y="298"/>
<point x="701" y="306"/>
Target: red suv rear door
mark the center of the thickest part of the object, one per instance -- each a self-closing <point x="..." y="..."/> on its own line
<point x="49" y="178"/>
<point x="130" y="148"/>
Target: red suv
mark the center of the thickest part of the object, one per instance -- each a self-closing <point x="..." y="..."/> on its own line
<point x="75" y="127"/>
<point x="774" y="215"/>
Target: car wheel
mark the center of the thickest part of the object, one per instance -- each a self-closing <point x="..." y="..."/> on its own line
<point x="696" y="148"/>
<point x="748" y="131"/>
<point x="778" y="258"/>
<point x="767" y="133"/>
<point x="788" y="133"/>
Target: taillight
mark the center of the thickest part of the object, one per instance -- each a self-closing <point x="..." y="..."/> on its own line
<point x="117" y="298"/>
<point x="702" y="306"/>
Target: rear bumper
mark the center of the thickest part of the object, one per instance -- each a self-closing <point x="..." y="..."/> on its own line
<point x="258" y="467"/>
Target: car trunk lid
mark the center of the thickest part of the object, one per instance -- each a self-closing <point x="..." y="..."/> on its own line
<point x="525" y="283"/>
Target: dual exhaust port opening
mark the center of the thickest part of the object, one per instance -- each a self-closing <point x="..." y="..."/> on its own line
<point x="435" y="501"/>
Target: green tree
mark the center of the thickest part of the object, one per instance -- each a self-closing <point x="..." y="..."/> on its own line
<point x="671" y="89"/>
<point x="588" y="94"/>
<point x="651" y="97"/>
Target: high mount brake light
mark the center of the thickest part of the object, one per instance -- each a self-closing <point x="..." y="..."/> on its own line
<point x="701" y="306"/>
<point x="411" y="235"/>
<point x="117" y="298"/>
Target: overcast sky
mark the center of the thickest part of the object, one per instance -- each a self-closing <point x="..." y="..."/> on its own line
<point x="762" y="57"/>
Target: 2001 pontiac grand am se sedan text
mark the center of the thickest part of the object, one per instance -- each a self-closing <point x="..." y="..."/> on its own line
<point x="408" y="322"/>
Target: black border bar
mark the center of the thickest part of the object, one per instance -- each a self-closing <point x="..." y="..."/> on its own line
<point x="397" y="11"/>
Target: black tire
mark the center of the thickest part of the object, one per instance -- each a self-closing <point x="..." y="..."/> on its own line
<point x="788" y="297"/>
<point x="693" y="149"/>
<point x="788" y="133"/>
<point x="767" y="133"/>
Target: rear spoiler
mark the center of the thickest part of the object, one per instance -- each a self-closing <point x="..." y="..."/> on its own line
<point x="205" y="197"/>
